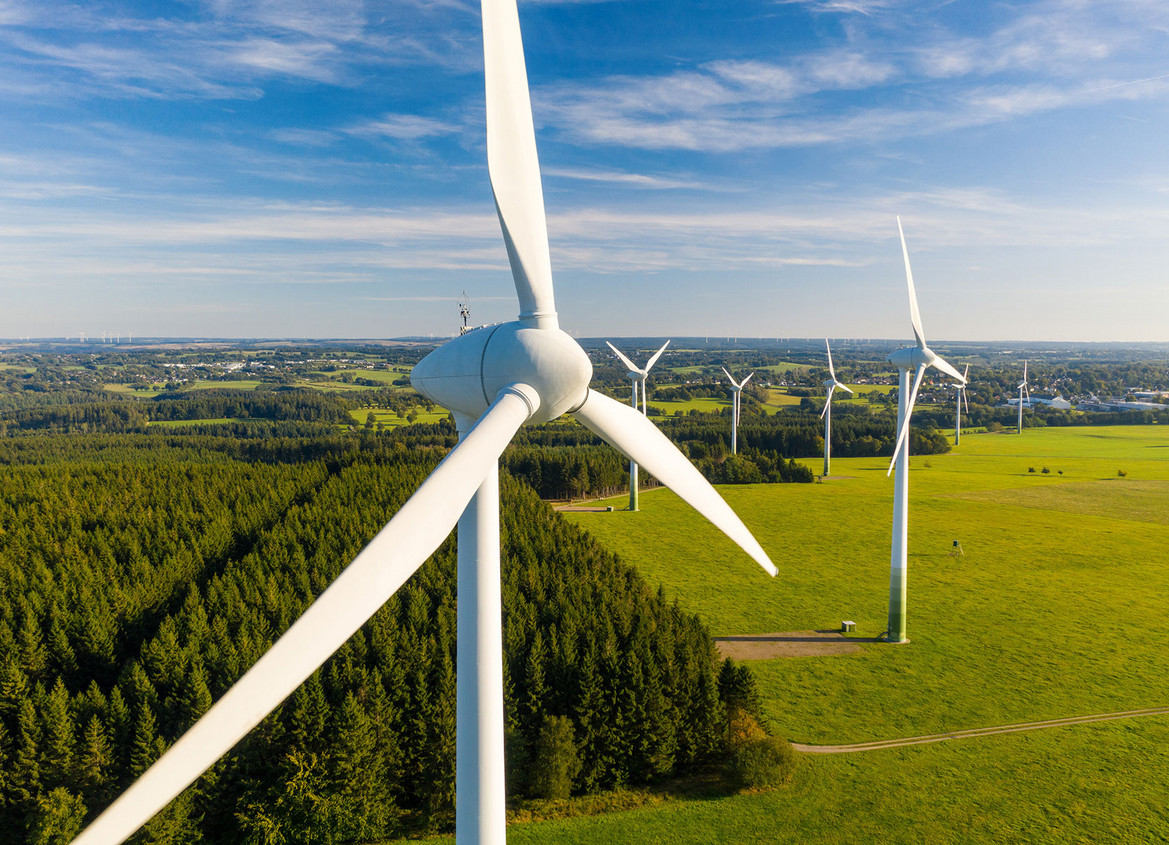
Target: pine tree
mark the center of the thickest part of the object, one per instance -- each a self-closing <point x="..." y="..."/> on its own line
<point x="96" y="760"/>
<point x="26" y="771"/>
<point x="56" y="819"/>
<point x="59" y="739"/>
<point x="145" y="747"/>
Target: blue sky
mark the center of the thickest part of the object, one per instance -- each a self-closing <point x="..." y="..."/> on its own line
<point x="286" y="168"/>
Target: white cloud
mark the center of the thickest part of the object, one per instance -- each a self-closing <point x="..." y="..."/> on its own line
<point x="405" y="127"/>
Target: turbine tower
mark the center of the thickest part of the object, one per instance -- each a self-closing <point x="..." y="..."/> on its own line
<point x="637" y="376"/>
<point x="495" y="379"/>
<point x="736" y="391"/>
<point x="960" y="400"/>
<point x="1023" y="389"/>
<point x="831" y="383"/>
<point x="916" y="359"/>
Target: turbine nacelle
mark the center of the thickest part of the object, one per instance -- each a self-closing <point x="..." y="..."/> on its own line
<point x="467" y="373"/>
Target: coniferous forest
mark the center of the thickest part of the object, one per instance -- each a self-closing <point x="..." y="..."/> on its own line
<point x="140" y="575"/>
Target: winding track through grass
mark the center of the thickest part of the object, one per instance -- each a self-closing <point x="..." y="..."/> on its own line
<point x="977" y="732"/>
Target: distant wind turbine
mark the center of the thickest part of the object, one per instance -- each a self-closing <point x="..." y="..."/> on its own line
<point x="831" y="383"/>
<point x="1023" y="389"/>
<point x="494" y="380"/>
<point x="736" y="392"/>
<point x="960" y="400"/>
<point x="916" y="359"/>
<point x="637" y="376"/>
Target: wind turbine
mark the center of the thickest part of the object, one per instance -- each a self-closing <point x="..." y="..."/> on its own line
<point x="831" y="383"/>
<point x="1023" y="389"/>
<point x="916" y="359"/>
<point x="960" y="399"/>
<point x="637" y="375"/>
<point x="736" y="392"/>
<point x="495" y="379"/>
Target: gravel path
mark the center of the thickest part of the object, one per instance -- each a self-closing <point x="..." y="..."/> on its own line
<point x="1004" y="729"/>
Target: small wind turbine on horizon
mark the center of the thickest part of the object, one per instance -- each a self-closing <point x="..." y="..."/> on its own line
<point x="831" y="383"/>
<point x="736" y="392"/>
<point x="637" y="376"/>
<point x="494" y="379"/>
<point x="1023" y="388"/>
<point x="959" y="401"/>
<point x="912" y="359"/>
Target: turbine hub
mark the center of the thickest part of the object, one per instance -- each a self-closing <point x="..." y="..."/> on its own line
<point x="912" y="357"/>
<point x="466" y="374"/>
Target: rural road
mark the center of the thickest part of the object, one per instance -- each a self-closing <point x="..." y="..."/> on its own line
<point x="1003" y="729"/>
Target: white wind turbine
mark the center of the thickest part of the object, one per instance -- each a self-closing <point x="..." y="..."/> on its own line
<point x="637" y="376"/>
<point x="494" y="379"/>
<point x="1023" y="388"/>
<point x="736" y="393"/>
<point x="960" y="400"/>
<point x="916" y="359"/>
<point x="831" y="383"/>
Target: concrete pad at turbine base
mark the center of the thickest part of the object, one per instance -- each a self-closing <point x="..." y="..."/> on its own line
<point x="788" y="644"/>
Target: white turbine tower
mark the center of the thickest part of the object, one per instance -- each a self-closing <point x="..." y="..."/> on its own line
<point x="637" y="376"/>
<point x="831" y="383"/>
<point x="736" y="392"/>
<point x="494" y="379"/>
<point x="916" y="359"/>
<point x="1023" y="388"/>
<point x="960" y="400"/>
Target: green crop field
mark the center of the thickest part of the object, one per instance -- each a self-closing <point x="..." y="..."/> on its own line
<point x="390" y="419"/>
<point x="181" y="423"/>
<point x="1058" y="608"/>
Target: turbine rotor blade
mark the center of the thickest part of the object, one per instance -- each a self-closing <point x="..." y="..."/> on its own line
<point x="965" y="401"/>
<point x="844" y="386"/>
<point x="638" y="439"/>
<point x="947" y="368"/>
<point x="831" y="371"/>
<point x="633" y="368"/>
<point x="904" y="432"/>
<point x="744" y="381"/>
<point x="512" y="163"/>
<point x="391" y="557"/>
<point x="914" y="314"/>
<point x="827" y="401"/>
<point x="728" y="375"/>
<point x="650" y="364"/>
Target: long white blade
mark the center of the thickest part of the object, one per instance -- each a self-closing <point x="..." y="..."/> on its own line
<point x="744" y="381"/>
<point x="843" y="386"/>
<point x="650" y="364"/>
<point x="947" y="368"/>
<point x="965" y="380"/>
<point x="633" y="368"/>
<point x="965" y="401"/>
<point x="827" y="401"/>
<point x="831" y="370"/>
<point x="638" y="439"/>
<point x="391" y="557"/>
<point x="914" y="314"/>
<point x="904" y="432"/>
<point x="512" y="163"/>
<point x="728" y="375"/>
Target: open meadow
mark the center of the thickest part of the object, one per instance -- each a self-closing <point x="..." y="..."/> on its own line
<point x="1058" y="608"/>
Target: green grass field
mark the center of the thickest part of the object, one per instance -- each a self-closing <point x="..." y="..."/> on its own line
<point x="1057" y="609"/>
<point x="390" y="419"/>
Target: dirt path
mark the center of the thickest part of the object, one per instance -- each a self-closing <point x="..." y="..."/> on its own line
<point x="788" y="644"/>
<point x="1004" y="729"/>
